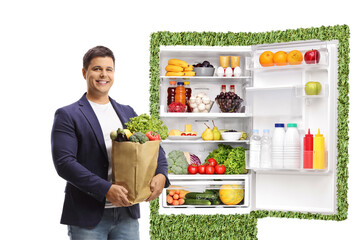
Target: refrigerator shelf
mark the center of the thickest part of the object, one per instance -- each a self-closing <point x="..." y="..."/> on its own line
<point x="200" y="141"/>
<point x="203" y="115"/>
<point x="185" y="177"/>
<point x="302" y="66"/>
<point x="204" y="78"/>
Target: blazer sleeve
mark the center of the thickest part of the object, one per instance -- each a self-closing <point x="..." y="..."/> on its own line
<point x="64" y="145"/>
<point x="162" y="165"/>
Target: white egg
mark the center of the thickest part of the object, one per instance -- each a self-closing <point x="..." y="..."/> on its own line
<point x="237" y="72"/>
<point x="201" y="107"/>
<point x="198" y="101"/>
<point x="193" y="105"/>
<point x="220" y="71"/>
<point x="206" y="100"/>
<point x="192" y="99"/>
<point x="195" y="110"/>
<point x="228" y="72"/>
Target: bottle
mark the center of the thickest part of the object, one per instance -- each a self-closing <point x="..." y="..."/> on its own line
<point x="277" y="146"/>
<point x="319" y="151"/>
<point x="308" y="151"/>
<point x="232" y="88"/>
<point x="180" y="93"/>
<point x="255" y="149"/>
<point x="265" y="149"/>
<point x="292" y="156"/>
<point x="171" y="92"/>
<point x="187" y="95"/>
<point x="223" y="88"/>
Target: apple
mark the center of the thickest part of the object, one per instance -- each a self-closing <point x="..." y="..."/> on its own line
<point x="312" y="88"/>
<point x="312" y="56"/>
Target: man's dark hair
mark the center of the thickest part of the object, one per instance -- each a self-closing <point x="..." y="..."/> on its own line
<point x="98" y="51"/>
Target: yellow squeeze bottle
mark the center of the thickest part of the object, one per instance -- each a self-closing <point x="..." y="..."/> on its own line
<point x="319" y="151"/>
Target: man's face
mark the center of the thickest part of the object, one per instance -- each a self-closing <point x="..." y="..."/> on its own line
<point x="99" y="76"/>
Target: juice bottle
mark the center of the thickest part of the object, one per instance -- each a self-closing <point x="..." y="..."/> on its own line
<point x="180" y="95"/>
<point x="308" y="151"/>
<point x="319" y="151"/>
<point x="171" y="93"/>
<point x="187" y="95"/>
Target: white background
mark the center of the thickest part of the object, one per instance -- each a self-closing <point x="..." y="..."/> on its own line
<point x="41" y="50"/>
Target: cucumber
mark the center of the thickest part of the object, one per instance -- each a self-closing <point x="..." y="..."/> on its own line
<point x="203" y="196"/>
<point x="190" y="201"/>
<point x="215" y="202"/>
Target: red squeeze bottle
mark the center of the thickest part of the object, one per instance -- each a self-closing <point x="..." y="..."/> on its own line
<point x="308" y="150"/>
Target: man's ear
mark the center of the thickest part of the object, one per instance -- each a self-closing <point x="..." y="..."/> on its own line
<point x="84" y="73"/>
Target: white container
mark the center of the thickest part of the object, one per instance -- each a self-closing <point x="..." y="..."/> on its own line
<point x="255" y="149"/>
<point x="292" y="145"/>
<point x="277" y="146"/>
<point x="265" y="149"/>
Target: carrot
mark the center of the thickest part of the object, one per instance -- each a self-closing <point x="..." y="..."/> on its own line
<point x="171" y="192"/>
<point x="175" y="202"/>
<point x="182" y="195"/>
<point x="169" y="199"/>
<point x="176" y="197"/>
<point x="181" y="201"/>
<point x="177" y="192"/>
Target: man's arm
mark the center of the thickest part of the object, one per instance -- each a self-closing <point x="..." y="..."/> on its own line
<point x="64" y="144"/>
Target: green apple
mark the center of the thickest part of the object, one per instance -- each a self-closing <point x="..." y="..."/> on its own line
<point x="312" y="88"/>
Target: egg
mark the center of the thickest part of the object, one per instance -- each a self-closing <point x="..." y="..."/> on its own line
<point x="228" y="72"/>
<point x="192" y="99"/>
<point x="237" y="71"/>
<point x="220" y="71"/>
<point x="205" y="99"/>
<point x="201" y="107"/>
<point x="198" y="101"/>
<point x="195" y="110"/>
<point x="193" y="105"/>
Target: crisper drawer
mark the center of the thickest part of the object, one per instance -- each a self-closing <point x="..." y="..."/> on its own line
<point x="206" y="194"/>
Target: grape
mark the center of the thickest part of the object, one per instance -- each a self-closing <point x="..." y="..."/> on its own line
<point x="229" y="102"/>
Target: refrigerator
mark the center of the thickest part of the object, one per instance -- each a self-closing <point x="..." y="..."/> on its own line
<point x="271" y="94"/>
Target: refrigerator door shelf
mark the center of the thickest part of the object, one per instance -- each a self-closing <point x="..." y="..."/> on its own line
<point x="200" y="141"/>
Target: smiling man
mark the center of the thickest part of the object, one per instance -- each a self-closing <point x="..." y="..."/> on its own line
<point x="94" y="208"/>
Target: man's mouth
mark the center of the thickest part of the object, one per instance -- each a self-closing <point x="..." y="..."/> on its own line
<point x="102" y="81"/>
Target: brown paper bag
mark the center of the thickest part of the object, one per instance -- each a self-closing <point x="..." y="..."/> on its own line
<point x="133" y="167"/>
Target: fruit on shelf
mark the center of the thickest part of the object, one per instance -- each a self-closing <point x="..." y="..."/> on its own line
<point x="294" y="57"/>
<point x="189" y="73"/>
<point x="312" y="56"/>
<point x="176" y="107"/>
<point x="312" y="88"/>
<point x="175" y="74"/>
<point x="179" y="68"/>
<point x="178" y="62"/>
<point x="229" y="102"/>
<point x="231" y="194"/>
<point x="216" y="132"/>
<point x="266" y="59"/>
<point x="174" y="68"/>
<point x="207" y="135"/>
<point x="280" y="58"/>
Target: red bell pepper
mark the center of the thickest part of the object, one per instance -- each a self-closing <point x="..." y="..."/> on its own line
<point x="153" y="136"/>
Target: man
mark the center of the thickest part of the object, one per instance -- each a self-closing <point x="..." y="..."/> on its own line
<point x="94" y="208"/>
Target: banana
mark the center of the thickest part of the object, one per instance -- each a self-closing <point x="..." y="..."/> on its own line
<point x="189" y="73"/>
<point x="178" y="62"/>
<point x="173" y="68"/>
<point x="189" y="68"/>
<point x="174" y="74"/>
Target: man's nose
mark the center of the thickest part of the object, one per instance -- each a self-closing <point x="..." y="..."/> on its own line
<point x="103" y="73"/>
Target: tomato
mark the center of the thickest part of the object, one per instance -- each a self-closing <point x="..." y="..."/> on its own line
<point x="153" y="136"/>
<point x="201" y="169"/>
<point x="183" y="134"/>
<point x="212" y="162"/>
<point x="220" y="169"/>
<point x="189" y="134"/>
<point x="210" y="169"/>
<point x="193" y="168"/>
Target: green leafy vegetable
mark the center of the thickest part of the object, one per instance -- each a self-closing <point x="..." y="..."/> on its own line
<point x="220" y="154"/>
<point x="144" y="123"/>
<point x="177" y="162"/>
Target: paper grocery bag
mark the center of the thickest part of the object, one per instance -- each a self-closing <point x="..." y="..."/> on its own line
<point x="133" y="167"/>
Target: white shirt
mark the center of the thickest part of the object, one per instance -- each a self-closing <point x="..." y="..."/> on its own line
<point x="109" y="121"/>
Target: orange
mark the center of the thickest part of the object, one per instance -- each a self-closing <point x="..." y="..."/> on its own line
<point x="266" y="59"/>
<point x="280" y="58"/>
<point x="294" y="57"/>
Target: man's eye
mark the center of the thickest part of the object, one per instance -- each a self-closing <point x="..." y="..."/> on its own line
<point x="109" y="70"/>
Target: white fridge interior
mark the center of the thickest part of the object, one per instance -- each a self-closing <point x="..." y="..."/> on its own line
<point x="271" y="95"/>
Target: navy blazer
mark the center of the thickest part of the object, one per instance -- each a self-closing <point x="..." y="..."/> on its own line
<point x="80" y="157"/>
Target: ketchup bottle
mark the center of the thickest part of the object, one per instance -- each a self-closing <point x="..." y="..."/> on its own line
<point x="171" y="93"/>
<point x="308" y="151"/>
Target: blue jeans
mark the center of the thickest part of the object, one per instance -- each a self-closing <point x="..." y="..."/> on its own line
<point x="116" y="224"/>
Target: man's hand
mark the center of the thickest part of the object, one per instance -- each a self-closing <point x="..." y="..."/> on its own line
<point x="117" y="195"/>
<point x="156" y="186"/>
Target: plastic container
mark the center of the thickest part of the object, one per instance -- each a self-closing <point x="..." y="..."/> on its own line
<point x="277" y="146"/>
<point x="255" y="149"/>
<point x="180" y="94"/>
<point x="187" y="96"/>
<point x="265" y="154"/>
<point x="308" y="151"/>
<point x="319" y="151"/>
<point x="171" y="93"/>
<point x="292" y="145"/>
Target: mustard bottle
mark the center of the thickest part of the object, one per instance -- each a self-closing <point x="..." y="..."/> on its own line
<point x="319" y="151"/>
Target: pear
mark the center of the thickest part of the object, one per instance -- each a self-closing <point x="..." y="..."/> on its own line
<point x="207" y="135"/>
<point x="216" y="132"/>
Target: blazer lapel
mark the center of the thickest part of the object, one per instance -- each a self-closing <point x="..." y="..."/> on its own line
<point x="120" y="112"/>
<point x="90" y="115"/>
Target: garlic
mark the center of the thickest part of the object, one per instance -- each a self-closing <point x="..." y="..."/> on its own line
<point x="208" y="106"/>
<point x="206" y="100"/>
<point x="195" y="110"/>
<point x="192" y="99"/>
<point x="198" y="101"/>
<point x="201" y="107"/>
<point x="193" y="105"/>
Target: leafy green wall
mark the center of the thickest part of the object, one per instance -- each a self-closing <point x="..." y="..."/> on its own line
<point x="244" y="226"/>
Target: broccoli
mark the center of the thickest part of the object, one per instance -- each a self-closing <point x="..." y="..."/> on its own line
<point x="177" y="162"/>
<point x="138" y="137"/>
